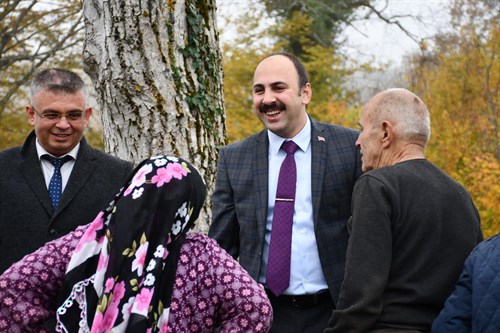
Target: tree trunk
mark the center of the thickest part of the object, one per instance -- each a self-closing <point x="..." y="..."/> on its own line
<point x="156" y="67"/>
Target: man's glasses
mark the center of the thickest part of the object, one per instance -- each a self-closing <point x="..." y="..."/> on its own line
<point x="72" y="116"/>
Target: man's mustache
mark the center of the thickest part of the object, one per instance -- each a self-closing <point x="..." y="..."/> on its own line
<point x="273" y="106"/>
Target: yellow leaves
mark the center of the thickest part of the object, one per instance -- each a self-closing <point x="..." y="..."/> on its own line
<point x="134" y="284"/>
<point x="423" y="45"/>
<point x="14" y="128"/>
<point x="102" y="304"/>
<point x="185" y="167"/>
<point x="238" y="68"/>
<point x="480" y="174"/>
<point x="460" y="87"/>
<point x="129" y="252"/>
<point x="190" y="211"/>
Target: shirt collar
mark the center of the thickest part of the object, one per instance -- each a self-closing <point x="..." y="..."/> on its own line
<point x="41" y="151"/>
<point x="302" y="139"/>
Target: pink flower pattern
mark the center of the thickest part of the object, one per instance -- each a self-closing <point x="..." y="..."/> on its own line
<point x="165" y="175"/>
<point x="139" y="178"/>
<point x="118" y="292"/>
<point x="162" y="177"/>
<point x="90" y="233"/>
<point x="178" y="170"/>
<point x="142" y="301"/>
<point x="110" y="283"/>
<point x="140" y="258"/>
<point x="220" y="292"/>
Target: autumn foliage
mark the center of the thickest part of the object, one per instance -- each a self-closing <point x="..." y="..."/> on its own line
<point x="459" y="81"/>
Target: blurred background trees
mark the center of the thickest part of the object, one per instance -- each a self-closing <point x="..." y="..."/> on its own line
<point x="456" y="72"/>
<point x="35" y="35"/>
<point x="459" y="79"/>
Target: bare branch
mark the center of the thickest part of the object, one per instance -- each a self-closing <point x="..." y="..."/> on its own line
<point x="393" y="20"/>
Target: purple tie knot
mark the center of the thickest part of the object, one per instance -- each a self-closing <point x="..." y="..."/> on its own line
<point x="289" y="147"/>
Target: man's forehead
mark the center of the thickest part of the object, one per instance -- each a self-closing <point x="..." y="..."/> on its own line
<point x="274" y="70"/>
<point x="47" y="97"/>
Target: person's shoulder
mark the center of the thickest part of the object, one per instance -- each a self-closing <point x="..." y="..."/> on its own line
<point x="250" y="139"/>
<point x="376" y="177"/>
<point x="105" y="157"/>
<point x="199" y="239"/>
<point x="247" y="142"/>
<point x="334" y="128"/>
<point x="10" y="152"/>
<point x="490" y="246"/>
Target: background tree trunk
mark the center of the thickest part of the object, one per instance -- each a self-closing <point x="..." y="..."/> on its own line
<point x="157" y="70"/>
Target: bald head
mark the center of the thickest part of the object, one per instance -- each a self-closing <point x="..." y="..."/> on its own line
<point x="405" y="110"/>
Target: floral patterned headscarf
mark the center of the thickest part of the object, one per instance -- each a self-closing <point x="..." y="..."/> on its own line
<point x="120" y="277"/>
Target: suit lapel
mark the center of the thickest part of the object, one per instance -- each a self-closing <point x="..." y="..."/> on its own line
<point x="261" y="175"/>
<point x="319" y="156"/>
<point x="32" y="172"/>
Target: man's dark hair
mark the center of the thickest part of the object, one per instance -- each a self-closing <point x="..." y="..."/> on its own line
<point x="57" y="80"/>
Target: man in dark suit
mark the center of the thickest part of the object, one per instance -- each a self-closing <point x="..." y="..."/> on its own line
<point x="327" y="166"/>
<point x="88" y="179"/>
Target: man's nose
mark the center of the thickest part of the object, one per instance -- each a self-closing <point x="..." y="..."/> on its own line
<point x="358" y="143"/>
<point x="63" y="122"/>
<point x="268" y="97"/>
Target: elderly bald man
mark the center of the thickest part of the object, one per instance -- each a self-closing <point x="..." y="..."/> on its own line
<point x="412" y="225"/>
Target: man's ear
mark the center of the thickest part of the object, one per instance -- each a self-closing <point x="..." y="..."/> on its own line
<point x="388" y="133"/>
<point x="30" y="113"/>
<point x="306" y="93"/>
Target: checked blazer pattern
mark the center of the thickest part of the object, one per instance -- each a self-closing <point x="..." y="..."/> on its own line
<point x="241" y="192"/>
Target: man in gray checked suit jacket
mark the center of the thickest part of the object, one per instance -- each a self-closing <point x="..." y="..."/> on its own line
<point x="59" y="115"/>
<point x="328" y="165"/>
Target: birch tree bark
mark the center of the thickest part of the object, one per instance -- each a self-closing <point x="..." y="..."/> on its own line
<point x="156" y="67"/>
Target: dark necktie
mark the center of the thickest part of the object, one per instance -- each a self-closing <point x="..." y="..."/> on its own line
<point x="278" y="264"/>
<point x="55" y="185"/>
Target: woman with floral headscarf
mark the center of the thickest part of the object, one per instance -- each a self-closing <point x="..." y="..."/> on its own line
<point x="136" y="269"/>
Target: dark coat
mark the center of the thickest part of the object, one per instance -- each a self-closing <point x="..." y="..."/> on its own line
<point x="474" y="305"/>
<point x="240" y="199"/>
<point x="26" y="217"/>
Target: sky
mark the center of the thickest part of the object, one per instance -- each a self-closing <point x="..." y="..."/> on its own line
<point x="374" y="40"/>
<point x="387" y="43"/>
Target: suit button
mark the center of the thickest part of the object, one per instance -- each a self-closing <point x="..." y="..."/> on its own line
<point x="53" y="232"/>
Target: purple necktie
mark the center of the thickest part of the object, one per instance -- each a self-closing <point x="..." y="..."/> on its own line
<point x="55" y="185"/>
<point x="278" y="264"/>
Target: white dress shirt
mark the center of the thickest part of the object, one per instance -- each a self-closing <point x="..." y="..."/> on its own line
<point x="306" y="275"/>
<point x="48" y="168"/>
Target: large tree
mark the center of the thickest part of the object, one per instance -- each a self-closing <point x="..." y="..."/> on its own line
<point x="157" y="70"/>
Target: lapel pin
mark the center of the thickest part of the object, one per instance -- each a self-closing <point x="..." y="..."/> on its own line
<point x="320" y="138"/>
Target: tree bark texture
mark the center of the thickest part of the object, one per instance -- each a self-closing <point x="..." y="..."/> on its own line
<point x="157" y="69"/>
